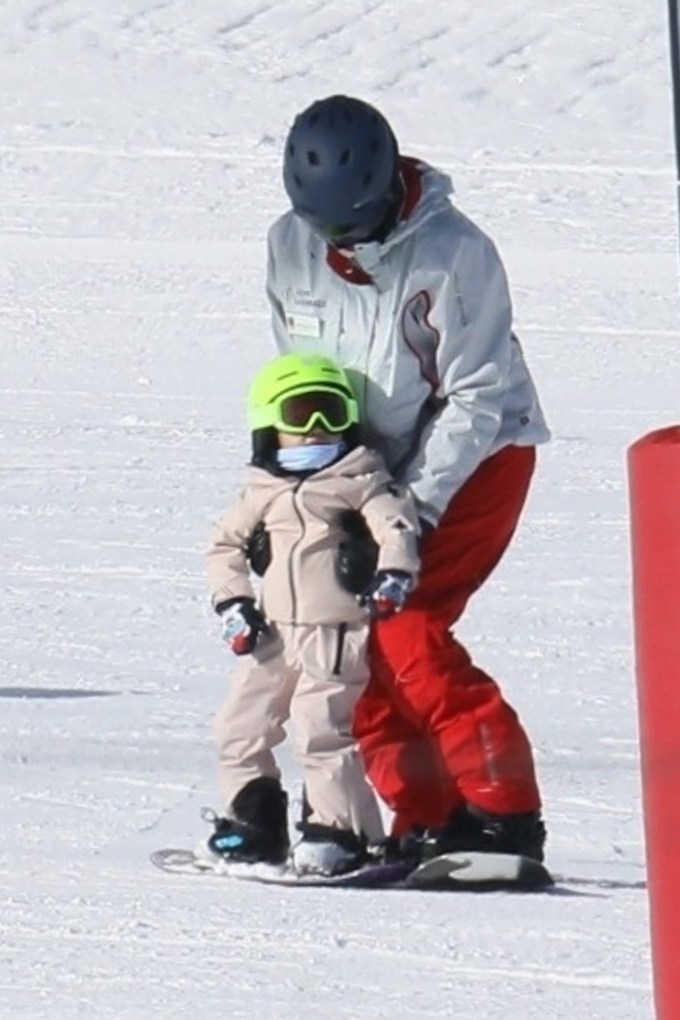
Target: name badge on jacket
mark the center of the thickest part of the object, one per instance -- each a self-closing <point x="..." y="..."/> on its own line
<point x="304" y="325"/>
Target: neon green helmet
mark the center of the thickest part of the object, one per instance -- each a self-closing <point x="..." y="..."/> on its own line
<point x="296" y="392"/>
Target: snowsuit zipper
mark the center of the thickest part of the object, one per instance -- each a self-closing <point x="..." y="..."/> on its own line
<point x="339" y="648"/>
<point x="291" y="571"/>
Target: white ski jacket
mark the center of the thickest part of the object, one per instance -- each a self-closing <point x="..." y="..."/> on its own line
<point x="423" y="324"/>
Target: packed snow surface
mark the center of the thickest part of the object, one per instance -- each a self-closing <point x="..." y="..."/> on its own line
<point x="140" y="152"/>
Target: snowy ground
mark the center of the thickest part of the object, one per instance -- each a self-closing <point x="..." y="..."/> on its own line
<point x="140" y="164"/>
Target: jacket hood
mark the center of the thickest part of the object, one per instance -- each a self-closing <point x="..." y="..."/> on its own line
<point x="427" y="194"/>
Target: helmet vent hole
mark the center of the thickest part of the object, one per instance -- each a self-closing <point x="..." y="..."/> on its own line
<point x="313" y="157"/>
<point x="345" y="156"/>
<point x="367" y="179"/>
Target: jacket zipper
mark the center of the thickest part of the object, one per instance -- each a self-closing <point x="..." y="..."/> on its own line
<point x="339" y="649"/>
<point x="291" y="572"/>
<point x="369" y="347"/>
<point x="363" y="396"/>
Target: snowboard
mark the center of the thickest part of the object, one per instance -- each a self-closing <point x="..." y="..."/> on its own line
<point x="185" y="862"/>
<point x="474" y="872"/>
<point x="478" y="872"/>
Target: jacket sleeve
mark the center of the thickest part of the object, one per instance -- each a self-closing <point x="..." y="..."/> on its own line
<point x="226" y="561"/>
<point x="471" y="315"/>
<point x="390" y="513"/>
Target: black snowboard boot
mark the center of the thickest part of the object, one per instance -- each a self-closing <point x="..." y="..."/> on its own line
<point x="402" y="849"/>
<point x="471" y="828"/>
<point x="257" y="829"/>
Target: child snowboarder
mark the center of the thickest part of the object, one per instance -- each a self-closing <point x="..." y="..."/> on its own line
<point x="304" y="640"/>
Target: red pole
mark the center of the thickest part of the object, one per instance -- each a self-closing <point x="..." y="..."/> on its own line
<point x="654" y="476"/>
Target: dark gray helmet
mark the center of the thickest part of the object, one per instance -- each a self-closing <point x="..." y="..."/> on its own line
<point x="341" y="168"/>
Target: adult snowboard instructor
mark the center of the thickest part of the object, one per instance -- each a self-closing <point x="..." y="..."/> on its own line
<point x="375" y="267"/>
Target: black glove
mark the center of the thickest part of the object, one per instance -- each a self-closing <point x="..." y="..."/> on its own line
<point x="259" y="549"/>
<point x="357" y="553"/>
<point x="242" y="625"/>
<point x="386" y="593"/>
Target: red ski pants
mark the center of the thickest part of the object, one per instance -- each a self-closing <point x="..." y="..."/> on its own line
<point x="434" y="729"/>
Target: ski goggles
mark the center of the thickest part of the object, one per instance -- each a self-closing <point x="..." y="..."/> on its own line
<point x="300" y="412"/>
<point x="356" y="231"/>
<point x="345" y="235"/>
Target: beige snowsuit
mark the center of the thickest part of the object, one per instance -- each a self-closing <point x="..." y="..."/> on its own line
<point x="311" y="667"/>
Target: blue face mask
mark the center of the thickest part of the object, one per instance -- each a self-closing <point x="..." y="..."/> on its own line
<point x="311" y="457"/>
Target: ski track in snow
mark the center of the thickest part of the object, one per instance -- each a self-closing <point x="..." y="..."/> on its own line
<point x="140" y="160"/>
